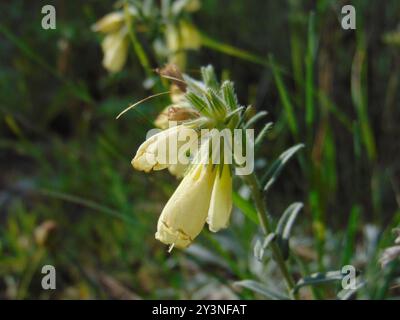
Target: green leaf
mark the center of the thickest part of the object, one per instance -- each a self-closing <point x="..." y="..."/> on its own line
<point x="310" y="57"/>
<point x="216" y="103"/>
<point x="319" y="278"/>
<point x="232" y="114"/>
<point x="209" y="77"/>
<point x="285" y="225"/>
<point x="350" y="238"/>
<point x="261" y="289"/>
<point x="198" y="103"/>
<point x="245" y="206"/>
<point x="260" y="247"/>
<point x="229" y="95"/>
<point x="263" y="134"/>
<point x="277" y="166"/>
<point x="285" y="100"/>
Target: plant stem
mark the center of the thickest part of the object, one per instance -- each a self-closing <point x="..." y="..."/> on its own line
<point x="137" y="46"/>
<point x="258" y="198"/>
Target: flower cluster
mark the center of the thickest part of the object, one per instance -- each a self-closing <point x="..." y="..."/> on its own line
<point x="205" y="192"/>
<point x="174" y="32"/>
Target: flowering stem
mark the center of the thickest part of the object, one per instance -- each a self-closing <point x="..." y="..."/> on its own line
<point x="137" y="46"/>
<point x="258" y="198"/>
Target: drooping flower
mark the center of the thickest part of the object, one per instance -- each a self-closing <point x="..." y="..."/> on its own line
<point x="205" y="192"/>
<point x="111" y="22"/>
<point x="204" y="195"/>
<point x="115" y="43"/>
<point x="185" y="213"/>
<point x="115" y="50"/>
<point x="156" y="152"/>
<point x="221" y="200"/>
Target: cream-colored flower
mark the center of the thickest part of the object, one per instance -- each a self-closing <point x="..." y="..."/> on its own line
<point x="190" y="36"/>
<point x="193" y="5"/>
<point x="221" y="200"/>
<point x="162" y="120"/>
<point x="115" y="50"/>
<point x="176" y="55"/>
<point x="165" y="148"/>
<point x="185" y="213"/>
<point x="178" y="170"/>
<point x="111" y="22"/>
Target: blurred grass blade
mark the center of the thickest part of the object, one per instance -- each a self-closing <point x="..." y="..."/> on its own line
<point x="276" y="167"/>
<point x="263" y="134"/>
<point x="358" y="94"/>
<point x="285" y="100"/>
<point x="339" y="115"/>
<point x="231" y="50"/>
<point x="261" y="289"/>
<point x="296" y="41"/>
<point x="86" y="203"/>
<point x="310" y="57"/>
<point x="285" y="225"/>
<point x="245" y="206"/>
<point x="79" y="91"/>
<point x="352" y="227"/>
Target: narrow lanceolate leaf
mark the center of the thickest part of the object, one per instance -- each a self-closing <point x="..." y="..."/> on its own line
<point x="263" y="134"/>
<point x="194" y="85"/>
<point x="245" y="206"/>
<point x="261" y="289"/>
<point x="229" y="95"/>
<point x="216" y="102"/>
<point x="242" y="118"/>
<point x="284" y="228"/>
<point x="277" y="166"/>
<point x="198" y="103"/>
<point x="260" y="246"/>
<point x="255" y="118"/>
<point x="319" y="278"/>
<point x="310" y="57"/>
<point x="209" y="77"/>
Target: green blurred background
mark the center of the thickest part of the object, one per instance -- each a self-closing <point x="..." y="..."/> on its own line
<point x="70" y="198"/>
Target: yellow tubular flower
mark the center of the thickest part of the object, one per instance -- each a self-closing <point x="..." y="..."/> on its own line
<point x="155" y="153"/>
<point x="185" y="214"/>
<point x="109" y="23"/>
<point x="221" y="200"/>
<point x="115" y="50"/>
<point x="190" y="36"/>
<point x="178" y="170"/>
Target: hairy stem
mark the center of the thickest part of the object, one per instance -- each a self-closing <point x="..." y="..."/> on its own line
<point x="258" y="199"/>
